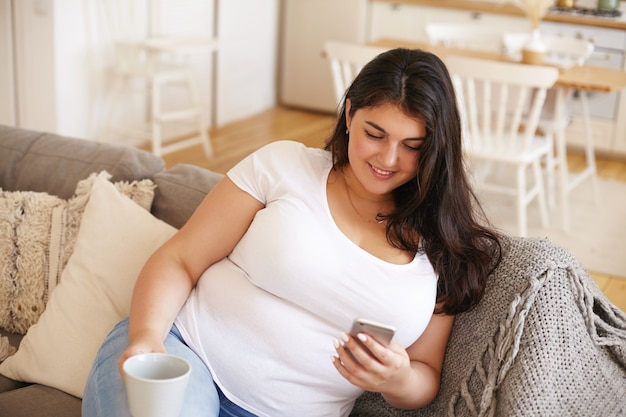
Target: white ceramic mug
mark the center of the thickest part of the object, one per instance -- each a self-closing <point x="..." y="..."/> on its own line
<point x="155" y="384"/>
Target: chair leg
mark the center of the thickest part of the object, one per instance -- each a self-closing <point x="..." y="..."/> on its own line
<point x="561" y="160"/>
<point x="541" y="194"/>
<point x="155" y="118"/>
<point x="590" y="154"/>
<point x="550" y="172"/>
<point x="522" y="204"/>
<point x="192" y="112"/>
<point x="203" y="129"/>
<point x="206" y="141"/>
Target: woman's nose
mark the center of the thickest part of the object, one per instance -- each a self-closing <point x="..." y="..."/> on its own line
<point x="389" y="155"/>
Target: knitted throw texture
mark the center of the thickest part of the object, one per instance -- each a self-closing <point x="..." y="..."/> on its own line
<point x="544" y="341"/>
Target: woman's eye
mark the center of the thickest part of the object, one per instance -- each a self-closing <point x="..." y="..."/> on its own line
<point x="371" y="135"/>
<point x="413" y="148"/>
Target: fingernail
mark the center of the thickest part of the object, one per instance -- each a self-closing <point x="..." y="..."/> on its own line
<point x="336" y="343"/>
<point x="344" y="337"/>
<point x="362" y="337"/>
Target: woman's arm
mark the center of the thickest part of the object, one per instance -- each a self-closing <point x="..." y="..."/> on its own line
<point x="171" y="272"/>
<point x="406" y="378"/>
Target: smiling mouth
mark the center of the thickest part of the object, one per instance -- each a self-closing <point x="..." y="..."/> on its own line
<point x="381" y="171"/>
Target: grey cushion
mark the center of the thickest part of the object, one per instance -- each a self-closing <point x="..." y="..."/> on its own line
<point x="32" y="161"/>
<point x="180" y="190"/>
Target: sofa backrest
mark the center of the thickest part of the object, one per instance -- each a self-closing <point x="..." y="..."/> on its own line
<point x="45" y="162"/>
<point x="180" y="190"/>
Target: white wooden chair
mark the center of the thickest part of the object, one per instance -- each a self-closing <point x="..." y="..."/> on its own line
<point x="563" y="52"/>
<point x="500" y="129"/>
<point x="465" y="35"/>
<point x="346" y="61"/>
<point x="157" y="64"/>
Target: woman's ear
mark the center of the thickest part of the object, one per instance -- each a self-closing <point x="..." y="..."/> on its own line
<point x="348" y="105"/>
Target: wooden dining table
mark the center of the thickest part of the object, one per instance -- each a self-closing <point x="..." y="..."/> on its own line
<point x="585" y="78"/>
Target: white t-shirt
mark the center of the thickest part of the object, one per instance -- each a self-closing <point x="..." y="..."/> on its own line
<point x="264" y="318"/>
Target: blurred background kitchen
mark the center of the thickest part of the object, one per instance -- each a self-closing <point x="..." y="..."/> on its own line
<point x="56" y="55"/>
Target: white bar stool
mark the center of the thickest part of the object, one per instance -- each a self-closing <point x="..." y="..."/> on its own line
<point x="144" y="60"/>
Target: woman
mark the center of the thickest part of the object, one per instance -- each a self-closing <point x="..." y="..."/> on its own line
<point x="258" y="289"/>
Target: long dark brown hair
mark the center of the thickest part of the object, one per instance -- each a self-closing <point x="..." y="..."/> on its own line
<point x="437" y="213"/>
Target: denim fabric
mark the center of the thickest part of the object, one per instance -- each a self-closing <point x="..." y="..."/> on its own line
<point x="105" y="396"/>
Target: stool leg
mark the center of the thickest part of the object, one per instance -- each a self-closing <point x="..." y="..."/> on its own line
<point x="156" y="132"/>
<point x="203" y="129"/>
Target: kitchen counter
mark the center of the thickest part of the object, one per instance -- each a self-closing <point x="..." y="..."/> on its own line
<point x="504" y="7"/>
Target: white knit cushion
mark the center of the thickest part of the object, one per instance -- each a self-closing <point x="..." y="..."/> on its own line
<point x="37" y="236"/>
<point x="35" y="230"/>
<point x="115" y="239"/>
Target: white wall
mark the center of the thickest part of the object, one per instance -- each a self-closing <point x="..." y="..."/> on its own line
<point x="63" y="61"/>
<point x="34" y="63"/>
<point x="73" y="78"/>
<point x="248" y="34"/>
<point x="7" y="82"/>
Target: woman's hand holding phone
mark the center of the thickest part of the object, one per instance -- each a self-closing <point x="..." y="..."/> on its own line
<point x="368" y="362"/>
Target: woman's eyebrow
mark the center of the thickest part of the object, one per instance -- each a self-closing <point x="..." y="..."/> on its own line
<point x="375" y="126"/>
<point x="379" y="128"/>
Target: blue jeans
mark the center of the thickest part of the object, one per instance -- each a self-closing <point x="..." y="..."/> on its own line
<point x="105" y="395"/>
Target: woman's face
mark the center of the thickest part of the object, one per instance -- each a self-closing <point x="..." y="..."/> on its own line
<point x="384" y="146"/>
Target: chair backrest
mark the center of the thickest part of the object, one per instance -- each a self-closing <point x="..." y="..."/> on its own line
<point x="568" y="50"/>
<point x="560" y="50"/>
<point x="465" y="35"/>
<point x="346" y="61"/>
<point x="499" y="102"/>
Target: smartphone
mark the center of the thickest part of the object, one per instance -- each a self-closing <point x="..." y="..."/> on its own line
<point x="383" y="333"/>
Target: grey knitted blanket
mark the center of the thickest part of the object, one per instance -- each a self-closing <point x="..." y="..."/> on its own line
<point x="544" y="341"/>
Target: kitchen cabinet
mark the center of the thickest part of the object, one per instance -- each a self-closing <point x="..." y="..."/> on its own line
<point x="406" y="21"/>
<point x="305" y="78"/>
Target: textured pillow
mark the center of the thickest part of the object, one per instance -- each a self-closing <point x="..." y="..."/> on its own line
<point x="115" y="239"/>
<point x="37" y="235"/>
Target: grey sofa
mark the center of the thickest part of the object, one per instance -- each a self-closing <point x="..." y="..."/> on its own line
<point x="544" y="340"/>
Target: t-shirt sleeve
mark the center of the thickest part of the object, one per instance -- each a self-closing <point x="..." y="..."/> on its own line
<point x="260" y="173"/>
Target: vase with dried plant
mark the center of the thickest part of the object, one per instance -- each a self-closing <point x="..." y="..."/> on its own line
<point x="534" y="50"/>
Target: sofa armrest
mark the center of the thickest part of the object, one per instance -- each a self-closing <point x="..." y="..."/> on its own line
<point x="544" y="340"/>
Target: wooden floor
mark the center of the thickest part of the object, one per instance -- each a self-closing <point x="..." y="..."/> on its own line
<point x="236" y="140"/>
